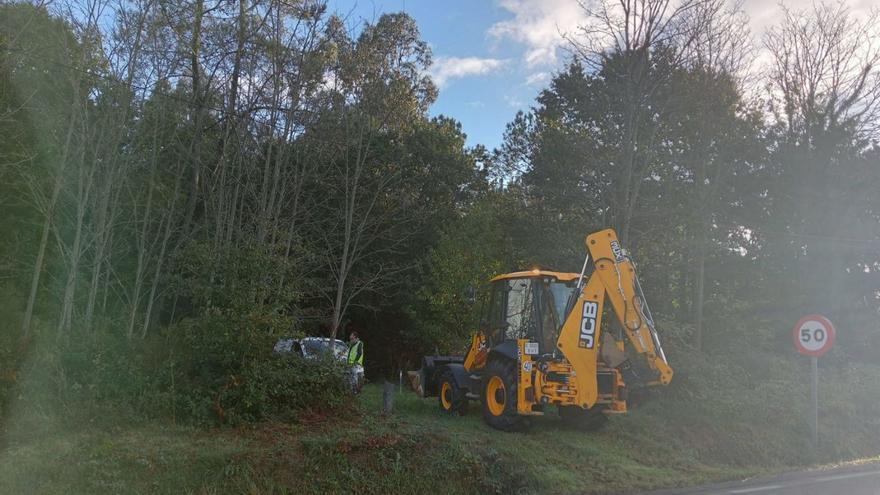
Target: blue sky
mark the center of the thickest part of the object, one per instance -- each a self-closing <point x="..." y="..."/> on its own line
<point x="493" y="57"/>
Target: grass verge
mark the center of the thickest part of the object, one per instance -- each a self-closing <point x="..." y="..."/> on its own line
<point x="416" y="450"/>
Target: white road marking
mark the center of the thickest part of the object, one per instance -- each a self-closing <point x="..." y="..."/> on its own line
<point x="804" y="482"/>
<point x="756" y="489"/>
<point x="845" y="476"/>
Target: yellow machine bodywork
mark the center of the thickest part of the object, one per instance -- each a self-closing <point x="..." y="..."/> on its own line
<point x="572" y="377"/>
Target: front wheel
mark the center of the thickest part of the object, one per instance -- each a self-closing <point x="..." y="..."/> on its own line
<point x="451" y="398"/>
<point x="499" y="396"/>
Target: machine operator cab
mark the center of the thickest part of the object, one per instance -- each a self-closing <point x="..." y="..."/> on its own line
<point x="528" y="305"/>
<point x="534" y="305"/>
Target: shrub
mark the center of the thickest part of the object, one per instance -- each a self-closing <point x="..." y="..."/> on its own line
<point x="11" y="345"/>
<point x="214" y="369"/>
<point x="282" y="385"/>
<point x="223" y="368"/>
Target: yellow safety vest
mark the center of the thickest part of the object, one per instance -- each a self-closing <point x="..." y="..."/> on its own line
<point x="356" y="353"/>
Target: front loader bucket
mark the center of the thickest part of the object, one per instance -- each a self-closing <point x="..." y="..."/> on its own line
<point x="424" y="381"/>
<point x="416" y="381"/>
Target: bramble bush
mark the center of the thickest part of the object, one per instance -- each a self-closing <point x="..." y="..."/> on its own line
<point x="213" y="364"/>
<point x="227" y="368"/>
<point x="209" y="370"/>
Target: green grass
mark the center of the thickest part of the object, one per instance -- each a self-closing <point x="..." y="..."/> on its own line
<point x="550" y="457"/>
<point x="415" y="450"/>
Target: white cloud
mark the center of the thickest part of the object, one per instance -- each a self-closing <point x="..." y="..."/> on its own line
<point x="539" y="25"/>
<point x="513" y="101"/>
<point x="446" y="69"/>
<point x="763" y="14"/>
<point x="538" y="79"/>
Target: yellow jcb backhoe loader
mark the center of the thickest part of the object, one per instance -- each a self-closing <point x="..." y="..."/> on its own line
<point x="542" y="343"/>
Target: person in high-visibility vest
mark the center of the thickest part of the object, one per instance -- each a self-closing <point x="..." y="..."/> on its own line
<point x="356" y="360"/>
<point x="355" y="350"/>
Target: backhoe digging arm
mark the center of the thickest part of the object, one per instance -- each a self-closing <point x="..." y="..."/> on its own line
<point x="618" y="275"/>
<point x="580" y="340"/>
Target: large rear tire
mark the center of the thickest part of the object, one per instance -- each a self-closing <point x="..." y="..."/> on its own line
<point x="451" y="398"/>
<point x="499" y="396"/>
<point x="583" y="419"/>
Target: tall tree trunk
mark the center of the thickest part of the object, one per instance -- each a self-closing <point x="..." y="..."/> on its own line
<point x="47" y="226"/>
<point x="101" y="226"/>
<point x="699" y="284"/>
<point x="198" y="114"/>
<point x="160" y="259"/>
<point x="142" y="251"/>
<point x="68" y="299"/>
<point x="38" y="264"/>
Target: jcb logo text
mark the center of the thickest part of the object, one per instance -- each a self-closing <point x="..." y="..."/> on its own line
<point x="588" y="325"/>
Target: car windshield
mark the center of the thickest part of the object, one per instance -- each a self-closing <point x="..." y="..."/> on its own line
<point x="316" y="347"/>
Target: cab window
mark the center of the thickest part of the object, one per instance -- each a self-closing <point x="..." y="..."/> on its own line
<point x="511" y="310"/>
<point x="496" y="320"/>
<point x="520" y="315"/>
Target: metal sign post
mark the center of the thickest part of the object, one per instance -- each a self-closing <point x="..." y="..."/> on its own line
<point x="813" y="336"/>
<point x="814" y="364"/>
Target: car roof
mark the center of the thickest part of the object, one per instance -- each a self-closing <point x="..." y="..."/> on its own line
<point x="561" y="276"/>
<point x="321" y="339"/>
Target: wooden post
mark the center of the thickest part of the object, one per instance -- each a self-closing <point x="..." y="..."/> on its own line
<point x="387" y="398"/>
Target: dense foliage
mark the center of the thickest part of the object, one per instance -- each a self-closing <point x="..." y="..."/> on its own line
<point x="183" y="183"/>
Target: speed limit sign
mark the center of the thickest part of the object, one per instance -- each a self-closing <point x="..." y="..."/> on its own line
<point x="813" y="335"/>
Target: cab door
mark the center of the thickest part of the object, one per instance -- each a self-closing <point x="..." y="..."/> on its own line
<point x="513" y="312"/>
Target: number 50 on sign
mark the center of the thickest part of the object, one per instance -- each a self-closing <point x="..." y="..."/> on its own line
<point x="813" y="335"/>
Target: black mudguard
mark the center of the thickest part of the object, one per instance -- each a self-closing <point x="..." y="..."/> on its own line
<point x="432" y="368"/>
<point x="507" y="349"/>
<point x="459" y="374"/>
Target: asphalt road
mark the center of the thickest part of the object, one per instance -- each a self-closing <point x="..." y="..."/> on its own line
<point x="849" y="480"/>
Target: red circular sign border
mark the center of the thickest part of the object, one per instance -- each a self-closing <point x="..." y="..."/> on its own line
<point x="832" y="334"/>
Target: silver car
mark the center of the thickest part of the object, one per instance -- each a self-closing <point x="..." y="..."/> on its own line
<point x="313" y="347"/>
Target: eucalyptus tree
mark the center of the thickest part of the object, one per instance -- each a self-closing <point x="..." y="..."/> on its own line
<point x="381" y="92"/>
